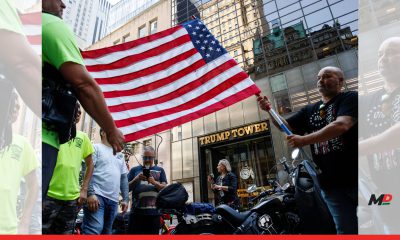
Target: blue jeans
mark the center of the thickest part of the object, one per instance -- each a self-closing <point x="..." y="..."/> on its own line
<point x="101" y="221"/>
<point x="342" y="203"/>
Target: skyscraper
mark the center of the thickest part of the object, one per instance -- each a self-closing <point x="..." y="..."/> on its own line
<point x="125" y="10"/>
<point x="87" y="19"/>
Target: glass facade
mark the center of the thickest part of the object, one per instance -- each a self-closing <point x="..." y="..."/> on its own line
<point x="282" y="45"/>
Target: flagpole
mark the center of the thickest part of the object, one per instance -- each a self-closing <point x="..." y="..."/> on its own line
<point x="277" y="119"/>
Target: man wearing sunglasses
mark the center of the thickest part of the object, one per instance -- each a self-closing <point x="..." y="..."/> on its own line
<point x="329" y="126"/>
<point x="145" y="182"/>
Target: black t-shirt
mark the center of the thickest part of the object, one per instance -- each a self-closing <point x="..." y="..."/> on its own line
<point x="384" y="166"/>
<point x="337" y="157"/>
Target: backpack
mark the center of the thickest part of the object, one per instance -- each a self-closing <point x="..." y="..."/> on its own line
<point x="173" y="196"/>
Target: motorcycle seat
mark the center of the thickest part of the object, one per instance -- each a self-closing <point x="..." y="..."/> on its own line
<point x="234" y="217"/>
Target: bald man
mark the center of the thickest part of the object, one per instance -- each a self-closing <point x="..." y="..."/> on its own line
<point x="380" y="129"/>
<point x="329" y="126"/>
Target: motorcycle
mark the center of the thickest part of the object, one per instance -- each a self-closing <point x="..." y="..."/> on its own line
<point x="78" y="223"/>
<point x="193" y="218"/>
<point x="294" y="208"/>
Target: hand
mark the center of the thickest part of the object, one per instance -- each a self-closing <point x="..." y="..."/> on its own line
<point x="23" y="228"/>
<point x="124" y="207"/>
<point x="152" y="181"/>
<point x="93" y="203"/>
<point x="140" y="177"/>
<point x="210" y="179"/>
<point x="116" y="139"/>
<point x="264" y="103"/>
<point x="82" y="197"/>
<point x="217" y="187"/>
<point x="296" y="141"/>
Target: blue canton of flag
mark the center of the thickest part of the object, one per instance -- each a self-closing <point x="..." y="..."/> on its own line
<point x="205" y="43"/>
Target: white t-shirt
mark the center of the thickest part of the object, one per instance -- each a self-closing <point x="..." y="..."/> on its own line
<point x="108" y="169"/>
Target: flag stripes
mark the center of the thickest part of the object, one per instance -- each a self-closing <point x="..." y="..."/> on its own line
<point x="166" y="79"/>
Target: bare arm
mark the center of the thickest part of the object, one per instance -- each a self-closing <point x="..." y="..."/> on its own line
<point x="92" y="100"/>
<point x="86" y="179"/>
<point x="31" y="198"/>
<point x="158" y="185"/>
<point x="385" y="141"/>
<point x="22" y="66"/>
<point x="135" y="180"/>
<point x="336" y="128"/>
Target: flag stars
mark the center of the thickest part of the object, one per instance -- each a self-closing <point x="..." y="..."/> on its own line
<point x="189" y="25"/>
<point x="213" y="42"/>
<point x="205" y="41"/>
<point x="208" y="35"/>
<point x="198" y="41"/>
<point x="197" y="27"/>
<point x="202" y="48"/>
<point x="210" y="48"/>
<point x="204" y="29"/>
<point x="201" y="35"/>
<point x="208" y="55"/>
<point x="194" y="33"/>
<point x="218" y="49"/>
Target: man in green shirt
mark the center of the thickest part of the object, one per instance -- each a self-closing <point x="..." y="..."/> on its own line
<point x="65" y="194"/>
<point x="60" y="50"/>
<point x="17" y="161"/>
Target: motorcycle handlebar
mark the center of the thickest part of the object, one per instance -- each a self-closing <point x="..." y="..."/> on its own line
<point x="263" y="194"/>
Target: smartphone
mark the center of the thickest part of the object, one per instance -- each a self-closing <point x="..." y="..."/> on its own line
<point x="146" y="172"/>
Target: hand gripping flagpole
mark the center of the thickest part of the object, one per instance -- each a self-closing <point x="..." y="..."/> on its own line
<point x="287" y="131"/>
<point x="278" y="119"/>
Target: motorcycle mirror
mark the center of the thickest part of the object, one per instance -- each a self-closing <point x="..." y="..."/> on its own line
<point x="295" y="153"/>
<point x="252" y="188"/>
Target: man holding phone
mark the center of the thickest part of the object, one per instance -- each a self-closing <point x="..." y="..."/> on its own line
<point x="145" y="182"/>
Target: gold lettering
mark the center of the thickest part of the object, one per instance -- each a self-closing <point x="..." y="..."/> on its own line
<point x="212" y="137"/>
<point x="249" y="129"/>
<point x="220" y="137"/>
<point x="234" y="131"/>
<point x="264" y="126"/>
<point x="227" y="134"/>
<point x="258" y="129"/>
<point x="240" y="132"/>
<point x="201" y="141"/>
<point x="207" y="140"/>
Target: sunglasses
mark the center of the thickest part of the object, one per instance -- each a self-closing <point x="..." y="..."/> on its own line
<point x="322" y="111"/>
<point x="147" y="158"/>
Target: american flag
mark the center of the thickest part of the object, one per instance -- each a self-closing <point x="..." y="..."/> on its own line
<point x="166" y="79"/>
<point x="32" y="26"/>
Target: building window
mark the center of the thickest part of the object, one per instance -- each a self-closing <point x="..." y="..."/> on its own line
<point x="125" y="37"/>
<point x="135" y="148"/>
<point x="147" y="142"/>
<point x="153" y="26"/>
<point x="142" y="31"/>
